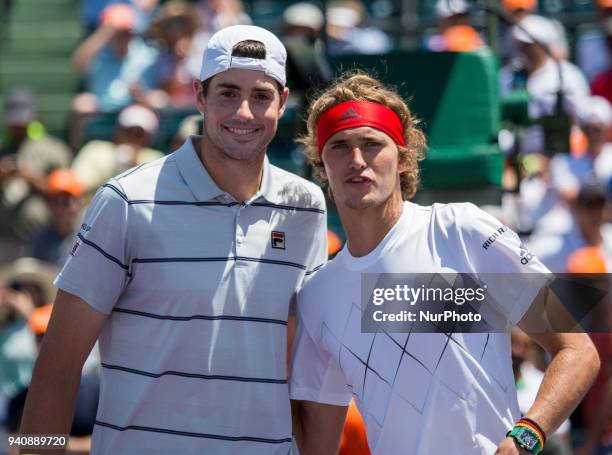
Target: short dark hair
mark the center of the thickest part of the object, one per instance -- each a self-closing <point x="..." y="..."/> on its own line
<point x="250" y="49"/>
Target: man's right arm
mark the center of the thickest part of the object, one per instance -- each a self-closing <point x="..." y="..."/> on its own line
<point x="72" y="332"/>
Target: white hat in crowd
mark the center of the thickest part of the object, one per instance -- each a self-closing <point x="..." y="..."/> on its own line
<point x="538" y="27"/>
<point x="595" y="109"/>
<point x="139" y="116"/>
<point x="218" y="54"/>
<point x="304" y="15"/>
<point x="447" y="8"/>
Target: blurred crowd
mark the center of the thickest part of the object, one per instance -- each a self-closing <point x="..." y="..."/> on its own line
<point x="138" y="59"/>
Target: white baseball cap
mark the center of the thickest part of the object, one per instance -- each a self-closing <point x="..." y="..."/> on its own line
<point x="304" y="15"/>
<point x="540" y="28"/>
<point x="448" y="8"/>
<point x="595" y="109"/>
<point x="218" y="53"/>
<point x="138" y="116"/>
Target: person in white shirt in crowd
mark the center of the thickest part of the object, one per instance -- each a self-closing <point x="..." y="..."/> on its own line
<point x="515" y="73"/>
<point x="543" y="80"/>
<point x="541" y="210"/>
<point x="588" y="229"/>
<point x="419" y="393"/>
<point x="569" y="172"/>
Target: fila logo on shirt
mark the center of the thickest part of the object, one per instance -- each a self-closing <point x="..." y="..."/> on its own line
<point x="278" y="240"/>
<point x="349" y="114"/>
<point x="526" y="255"/>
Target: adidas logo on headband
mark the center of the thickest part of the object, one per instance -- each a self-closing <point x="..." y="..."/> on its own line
<point x="349" y="114"/>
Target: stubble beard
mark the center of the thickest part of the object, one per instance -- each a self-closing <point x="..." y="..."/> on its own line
<point x="225" y="153"/>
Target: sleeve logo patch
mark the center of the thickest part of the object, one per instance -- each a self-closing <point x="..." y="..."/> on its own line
<point x="494" y="237"/>
<point x="278" y="240"/>
<point x="526" y="255"/>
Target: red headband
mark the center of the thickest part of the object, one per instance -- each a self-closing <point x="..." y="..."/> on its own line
<point x="353" y="114"/>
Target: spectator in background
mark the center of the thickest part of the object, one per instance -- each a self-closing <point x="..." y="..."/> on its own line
<point x="347" y="32"/>
<point x="65" y="193"/>
<point x="178" y="64"/>
<point x="528" y="379"/>
<point x="91" y="10"/>
<point x="456" y="33"/>
<point x="307" y="66"/>
<point x="568" y="172"/>
<point x="538" y="203"/>
<point x="520" y="9"/>
<point x="218" y="14"/>
<point x="513" y="74"/>
<point x="26" y="288"/>
<point x="25" y="285"/>
<point x="543" y="72"/>
<point x="592" y="47"/>
<point x="588" y="230"/>
<point x="98" y="160"/>
<point x="27" y="155"/>
<point x="116" y="63"/>
<point x="602" y="82"/>
<point x="90" y="14"/>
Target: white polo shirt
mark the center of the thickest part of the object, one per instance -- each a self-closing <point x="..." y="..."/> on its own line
<point x="419" y="393"/>
<point x="197" y="288"/>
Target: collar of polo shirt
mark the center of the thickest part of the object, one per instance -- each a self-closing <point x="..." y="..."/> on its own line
<point x="203" y="186"/>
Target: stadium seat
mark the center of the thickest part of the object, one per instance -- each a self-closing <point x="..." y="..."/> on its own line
<point x="36" y="51"/>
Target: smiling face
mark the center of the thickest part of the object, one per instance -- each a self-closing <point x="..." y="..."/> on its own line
<point x="361" y="165"/>
<point x="241" y="110"/>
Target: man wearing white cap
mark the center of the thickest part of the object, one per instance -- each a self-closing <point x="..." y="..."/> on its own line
<point x="543" y="72"/>
<point x="100" y="160"/>
<point x="186" y="268"/>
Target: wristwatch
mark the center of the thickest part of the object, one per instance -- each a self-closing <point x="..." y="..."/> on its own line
<point x="527" y="437"/>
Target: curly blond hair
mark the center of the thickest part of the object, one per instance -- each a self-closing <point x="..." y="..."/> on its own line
<point x="362" y="87"/>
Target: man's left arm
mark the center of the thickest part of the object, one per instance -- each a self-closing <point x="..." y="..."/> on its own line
<point x="571" y="372"/>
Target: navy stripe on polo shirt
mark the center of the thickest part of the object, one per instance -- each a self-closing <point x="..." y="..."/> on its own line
<point x="197" y="290"/>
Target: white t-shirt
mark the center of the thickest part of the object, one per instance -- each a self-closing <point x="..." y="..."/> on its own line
<point x="418" y="393"/>
<point x="543" y="85"/>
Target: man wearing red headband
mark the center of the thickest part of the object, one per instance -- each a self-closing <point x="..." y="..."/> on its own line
<point x="419" y="393"/>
